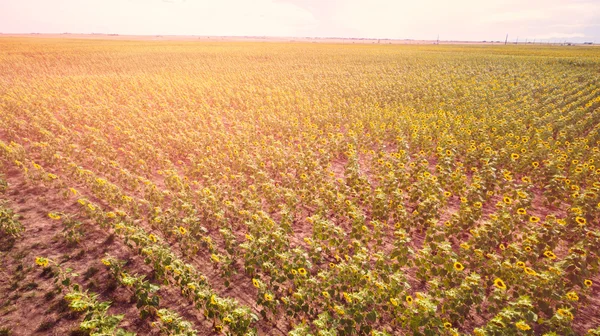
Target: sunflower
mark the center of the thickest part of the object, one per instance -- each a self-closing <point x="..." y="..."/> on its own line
<point x="409" y="299"/>
<point x="465" y="246"/>
<point x="526" y="179"/>
<point x="565" y="313"/>
<point x="106" y="262"/>
<point x="521" y="211"/>
<point x="502" y="247"/>
<point x="447" y="325"/>
<point x="580" y="220"/>
<point x="347" y="297"/>
<point x="478" y="205"/>
<point x="256" y="283"/>
<point x="550" y="255"/>
<point x="394" y="302"/>
<point x="514" y="156"/>
<point x="54" y="216"/>
<point x="325" y="294"/>
<point x="182" y="230"/>
<point x="152" y="238"/>
<point x="534" y="219"/>
<point x="520" y="264"/>
<point x="522" y="325"/>
<point x="499" y="283"/>
<point x="527" y="248"/>
<point x="529" y="271"/>
<point x="588" y="283"/>
<point x="507" y="200"/>
<point x="302" y="271"/>
<point x="40" y="261"/>
<point x="535" y="164"/>
<point x="572" y="296"/>
<point x="458" y="266"/>
<point x="339" y="310"/>
<point x="268" y="297"/>
<point x="447" y="193"/>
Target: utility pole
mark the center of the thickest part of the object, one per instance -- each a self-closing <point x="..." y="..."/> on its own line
<point x="506" y="41"/>
<point x="517" y="42"/>
<point x="438" y="39"/>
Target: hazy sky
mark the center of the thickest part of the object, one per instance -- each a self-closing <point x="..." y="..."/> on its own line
<point x="574" y="20"/>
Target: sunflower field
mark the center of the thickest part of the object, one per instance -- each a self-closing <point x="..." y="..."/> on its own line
<point x="311" y="189"/>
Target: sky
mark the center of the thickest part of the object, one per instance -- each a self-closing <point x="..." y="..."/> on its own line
<point x="465" y="20"/>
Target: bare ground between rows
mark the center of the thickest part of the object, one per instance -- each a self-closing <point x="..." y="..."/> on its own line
<point x="27" y="306"/>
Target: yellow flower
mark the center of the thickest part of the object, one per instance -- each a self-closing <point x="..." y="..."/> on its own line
<point x="507" y="200"/>
<point x="514" y="156"/>
<point x="521" y="211"/>
<point x="54" y="216"/>
<point x="347" y="297"/>
<point x="91" y="207"/>
<point x="447" y="325"/>
<point x="106" y="262"/>
<point x="256" y="283"/>
<point x="152" y="238"/>
<point x="580" y="220"/>
<point x="458" y="266"/>
<point x="522" y="325"/>
<point x="213" y="299"/>
<point x="447" y="194"/>
<point x="394" y="302"/>
<point x="478" y="205"/>
<point x="529" y="271"/>
<point x="215" y="258"/>
<point x="182" y="230"/>
<point x="534" y="219"/>
<point x="409" y="299"/>
<point x="499" y="283"/>
<point x="588" y="283"/>
<point x="565" y="313"/>
<point x="520" y="264"/>
<point x="302" y="271"/>
<point x="268" y="297"/>
<point x="572" y="296"/>
<point x="40" y="261"/>
<point x="550" y="255"/>
<point x="465" y="246"/>
<point x="325" y="294"/>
